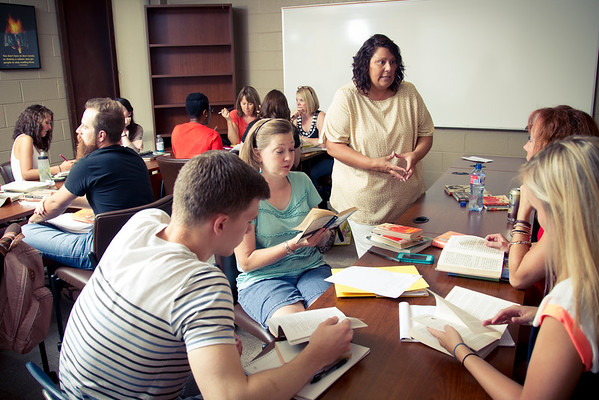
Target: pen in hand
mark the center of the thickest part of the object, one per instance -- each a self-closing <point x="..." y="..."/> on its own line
<point x="63" y="157"/>
<point x="326" y="370"/>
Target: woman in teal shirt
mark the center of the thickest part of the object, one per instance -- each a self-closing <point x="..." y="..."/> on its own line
<point x="279" y="274"/>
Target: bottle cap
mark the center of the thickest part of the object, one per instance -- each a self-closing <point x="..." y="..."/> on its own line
<point x="479" y="165"/>
<point x="462" y="203"/>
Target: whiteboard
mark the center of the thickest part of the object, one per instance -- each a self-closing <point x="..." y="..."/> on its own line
<point x="477" y="63"/>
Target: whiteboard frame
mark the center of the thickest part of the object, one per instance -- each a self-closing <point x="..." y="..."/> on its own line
<point x="534" y="63"/>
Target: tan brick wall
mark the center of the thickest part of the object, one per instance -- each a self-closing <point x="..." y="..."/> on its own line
<point x="21" y="88"/>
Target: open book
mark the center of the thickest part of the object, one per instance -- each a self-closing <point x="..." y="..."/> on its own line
<point x="283" y="353"/>
<point x="465" y="310"/>
<point x="319" y="218"/>
<point x="298" y="327"/>
<point x="469" y="256"/>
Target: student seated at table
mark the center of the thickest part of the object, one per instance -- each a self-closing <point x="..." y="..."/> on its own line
<point x="309" y="121"/>
<point x="156" y="310"/>
<point x="528" y="249"/>
<point x="194" y="137"/>
<point x="33" y="133"/>
<point x="280" y="275"/>
<point x="111" y="176"/>
<point x="133" y="133"/>
<point x="562" y="183"/>
<point x="246" y="110"/>
<point x="274" y="105"/>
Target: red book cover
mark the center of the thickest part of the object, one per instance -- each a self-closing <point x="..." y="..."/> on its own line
<point x="398" y="231"/>
<point x="499" y="200"/>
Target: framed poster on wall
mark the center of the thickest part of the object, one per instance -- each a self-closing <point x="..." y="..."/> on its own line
<point x="18" y="43"/>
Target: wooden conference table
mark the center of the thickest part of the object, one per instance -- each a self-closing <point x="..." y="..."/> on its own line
<point x="393" y="369"/>
<point x="17" y="210"/>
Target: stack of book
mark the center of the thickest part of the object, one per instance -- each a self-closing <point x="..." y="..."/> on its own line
<point x="461" y="192"/>
<point x="399" y="238"/>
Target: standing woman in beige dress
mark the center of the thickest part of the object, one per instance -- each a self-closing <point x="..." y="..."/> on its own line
<point x="378" y="129"/>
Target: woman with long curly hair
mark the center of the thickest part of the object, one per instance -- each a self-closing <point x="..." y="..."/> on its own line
<point x="32" y="135"/>
<point x="378" y="129"/>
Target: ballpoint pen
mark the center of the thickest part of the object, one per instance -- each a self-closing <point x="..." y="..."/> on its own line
<point x="323" y="372"/>
<point x="63" y="157"/>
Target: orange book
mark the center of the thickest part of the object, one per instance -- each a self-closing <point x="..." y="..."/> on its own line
<point x="498" y="200"/>
<point x="398" y="231"/>
<point x="441" y="240"/>
<point x="84" y="215"/>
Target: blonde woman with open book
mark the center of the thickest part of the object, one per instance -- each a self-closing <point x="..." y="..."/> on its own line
<point x="562" y="184"/>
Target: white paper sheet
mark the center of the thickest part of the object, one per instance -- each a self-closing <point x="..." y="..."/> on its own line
<point x="375" y="280"/>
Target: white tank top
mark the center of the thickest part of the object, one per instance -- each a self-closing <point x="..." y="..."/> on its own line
<point x="16" y="166"/>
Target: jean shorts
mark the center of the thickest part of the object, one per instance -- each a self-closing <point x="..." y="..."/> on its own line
<point x="261" y="299"/>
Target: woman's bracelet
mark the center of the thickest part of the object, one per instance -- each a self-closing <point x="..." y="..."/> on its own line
<point x="528" y="242"/>
<point x="288" y="249"/>
<point x="456" y="346"/>
<point x="515" y="231"/>
<point x="521" y="221"/>
<point x="468" y="355"/>
<point x="59" y="170"/>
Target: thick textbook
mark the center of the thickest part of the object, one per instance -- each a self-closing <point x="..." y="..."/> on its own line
<point x="469" y="256"/>
<point x="465" y="310"/>
<point x="319" y="218"/>
<point x="397" y="231"/>
<point x="283" y="352"/>
<point x="298" y="327"/>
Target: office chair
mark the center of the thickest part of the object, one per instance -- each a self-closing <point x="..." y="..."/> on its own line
<point x="169" y="168"/>
<point x="6" y="172"/>
<point x="229" y="267"/>
<point x="49" y="389"/>
<point x="106" y="226"/>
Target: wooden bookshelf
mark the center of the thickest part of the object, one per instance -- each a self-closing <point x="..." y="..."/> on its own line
<point x="190" y="49"/>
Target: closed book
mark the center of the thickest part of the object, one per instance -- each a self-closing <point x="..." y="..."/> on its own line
<point x="398" y="231"/>
<point x="498" y="200"/>
<point x="396" y="243"/>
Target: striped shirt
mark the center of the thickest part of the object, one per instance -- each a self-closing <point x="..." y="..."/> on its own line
<point x="147" y="305"/>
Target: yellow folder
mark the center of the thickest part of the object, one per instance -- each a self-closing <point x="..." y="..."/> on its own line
<point x="417" y="289"/>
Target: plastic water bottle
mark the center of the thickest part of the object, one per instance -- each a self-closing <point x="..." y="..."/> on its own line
<point x="43" y="167"/>
<point x="159" y="144"/>
<point x="477" y="188"/>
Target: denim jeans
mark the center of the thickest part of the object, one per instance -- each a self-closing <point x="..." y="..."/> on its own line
<point x="66" y="248"/>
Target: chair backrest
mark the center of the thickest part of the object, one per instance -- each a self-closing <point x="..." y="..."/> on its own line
<point x="6" y="172"/>
<point x="48" y="386"/>
<point x="108" y="224"/>
<point x="169" y="168"/>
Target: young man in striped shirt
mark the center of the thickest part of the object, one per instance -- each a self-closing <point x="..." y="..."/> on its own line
<point x="155" y="310"/>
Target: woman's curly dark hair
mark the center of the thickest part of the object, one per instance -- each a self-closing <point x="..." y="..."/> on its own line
<point x="30" y="123"/>
<point x="361" y="64"/>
